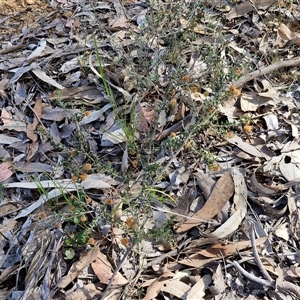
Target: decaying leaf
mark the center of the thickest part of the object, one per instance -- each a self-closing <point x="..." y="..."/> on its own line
<point x="5" y="171"/>
<point x="144" y="117"/>
<point x="246" y="147"/>
<point x="221" y="250"/>
<point x="221" y="193"/>
<point x="86" y="258"/>
<point x="104" y="271"/>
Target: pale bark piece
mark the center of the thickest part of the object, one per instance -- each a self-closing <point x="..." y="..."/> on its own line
<point x="221" y="193"/>
<point x="125" y="164"/>
<point x="246" y="147"/>
<point x="176" y="288"/>
<point x="153" y="289"/>
<point x="290" y="165"/>
<point x="197" y="292"/>
<point x="231" y="225"/>
<point x="218" y="282"/>
<point x="249" y="101"/>
<point x="95" y="115"/>
<point x="38" y="50"/>
<point x="44" y="77"/>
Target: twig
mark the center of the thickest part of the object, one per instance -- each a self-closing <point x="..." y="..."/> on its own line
<point x="257" y="259"/>
<point x="12" y="48"/>
<point x="175" y="128"/>
<point x="183" y="216"/>
<point x="251" y="277"/>
<point x="169" y="254"/>
<point x="266" y="70"/>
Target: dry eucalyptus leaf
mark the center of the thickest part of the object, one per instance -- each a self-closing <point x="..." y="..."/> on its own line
<point x="5" y="171"/>
<point x="223" y="190"/>
<point x="246" y="147"/>
<point x="86" y="258"/>
<point x="104" y="271"/>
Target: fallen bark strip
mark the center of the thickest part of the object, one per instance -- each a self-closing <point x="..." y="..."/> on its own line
<point x="266" y="70"/>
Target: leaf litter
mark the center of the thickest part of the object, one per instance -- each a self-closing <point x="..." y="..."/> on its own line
<point x="167" y="169"/>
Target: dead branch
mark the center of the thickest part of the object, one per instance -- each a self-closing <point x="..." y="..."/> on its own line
<point x="266" y="70"/>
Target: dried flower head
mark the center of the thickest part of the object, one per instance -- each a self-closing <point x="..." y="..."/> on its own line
<point x="83" y="176"/>
<point x="88" y="167"/>
<point x="91" y="241"/>
<point x="110" y="201"/>
<point x="186" y="78"/>
<point x="72" y="152"/>
<point x="74" y="178"/>
<point x="58" y="225"/>
<point x="132" y="152"/>
<point x="130" y="222"/>
<point x="230" y="134"/>
<point x="125" y="241"/>
<point x="42" y="215"/>
<point x="188" y="145"/>
<point x="83" y="218"/>
<point x="173" y="102"/>
<point x="214" y="167"/>
<point x="135" y="163"/>
<point x="234" y="90"/>
<point x="247" y="128"/>
<point x="88" y="200"/>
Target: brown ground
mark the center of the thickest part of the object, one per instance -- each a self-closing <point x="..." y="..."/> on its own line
<point x="16" y="15"/>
